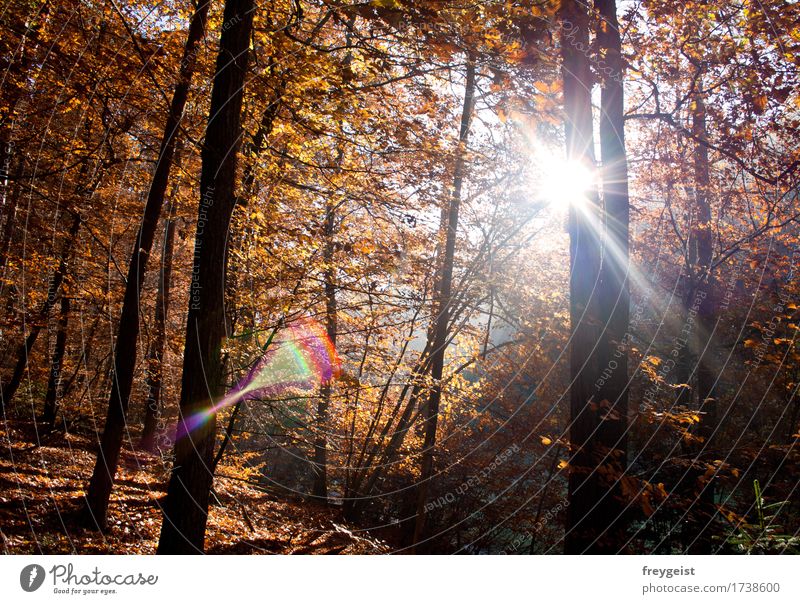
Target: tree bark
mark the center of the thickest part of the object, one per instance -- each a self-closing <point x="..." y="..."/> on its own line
<point x="610" y="433"/>
<point x="56" y="365"/>
<point x="584" y="524"/>
<point x="9" y="206"/>
<point x="320" y="487"/>
<point x="102" y="479"/>
<point x="442" y="303"/>
<point x="703" y="236"/>
<point x="155" y="357"/>
<point x="186" y="505"/>
<point x="24" y="350"/>
<point x="707" y="311"/>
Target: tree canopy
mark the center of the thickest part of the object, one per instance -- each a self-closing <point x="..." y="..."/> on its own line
<point x="461" y="277"/>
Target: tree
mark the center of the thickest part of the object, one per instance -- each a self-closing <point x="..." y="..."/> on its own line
<point x="54" y="383"/>
<point x="598" y="290"/>
<point x="320" y="486"/>
<point x="186" y="505"/>
<point x="56" y="280"/>
<point x="443" y="300"/>
<point x="155" y="356"/>
<point x="614" y="294"/>
<point x="102" y="479"/>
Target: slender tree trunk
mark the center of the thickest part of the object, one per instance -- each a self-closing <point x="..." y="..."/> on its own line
<point x="56" y="365"/>
<point x="105" y="468"/>
<point x="792" y="427"/>
<point x="357" y="498"/>
<point x="226" y="440"/>
<point x="155" y="357"/>
<point x="238" y="271"/>
<point x="443" y="302"/>
<point x="584" y="524"/>
<point x="186" y="505"/>
<point x="24" y="350"/>
<point x="9" y="206"/>
<point x="320" y="486"/>
<point x="66" y="387"/>
<point x="707" y="311"/>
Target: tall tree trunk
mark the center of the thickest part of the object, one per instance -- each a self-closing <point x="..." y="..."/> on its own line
<point x="707" y="311"/>
<point x="24" y="350"/>
<point x="705" y="249"/>
<point x="155" y="357"/>
<point x="442" y="303"/>
<point x="9" y="207"/>
<point x="9" y="214"/>
<point x="614" y="292"/>
<point x="320" y="486"/>
<point x="13" y="65"/>
<point x="186" y="506"/>
<point x="584" y="524"/>
<point x="248" y="189"/>
<point x="54" y="382"/>
<point x="105" y="468"/>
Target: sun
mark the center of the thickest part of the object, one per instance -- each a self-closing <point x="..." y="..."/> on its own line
<point x="559" y="182"/>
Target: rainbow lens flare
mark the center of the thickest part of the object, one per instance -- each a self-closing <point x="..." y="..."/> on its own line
<point x="300" y="357"/>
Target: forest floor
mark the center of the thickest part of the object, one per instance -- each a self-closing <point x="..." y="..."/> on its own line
<point x="42" y="481"/>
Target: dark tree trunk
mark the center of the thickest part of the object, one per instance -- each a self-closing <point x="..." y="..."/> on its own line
<point x="442" y="303"/>
<point x="226" y="440"/>
<point x="24" y="350"/>
<point x="320" y="486"/>
<point x="248" y="187"/>
<point x="105" y="468"/>
<point x="319" y="489"/>
<point x="707" y="311"/>
<point x="86" y="342"/>
<point x="792" y="427"/>
<point x="614" y="294"/>
<point x="584" y="522"/>
<point x="704" y="342"/>
<point x="155" y="357"/>
<point x="186" y="505"/>
<point x="9" y="206"/>
<point x="237" y="272"/>
<point x="56" y="365"/>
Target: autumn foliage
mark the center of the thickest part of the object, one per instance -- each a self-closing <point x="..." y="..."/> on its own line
<point x="383" y="210"/>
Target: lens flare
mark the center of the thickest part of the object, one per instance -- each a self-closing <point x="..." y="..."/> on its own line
<point x="300" y="357"/>
<point x="559" y="182"/>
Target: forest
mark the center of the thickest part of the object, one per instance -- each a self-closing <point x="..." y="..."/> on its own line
<point x="399" y="276"/>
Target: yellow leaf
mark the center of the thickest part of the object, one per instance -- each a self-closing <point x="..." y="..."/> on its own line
<point x="546" y="441"/>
